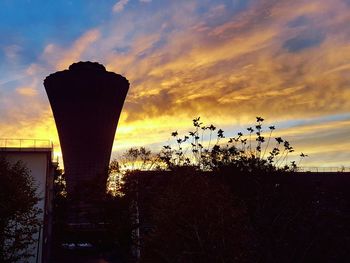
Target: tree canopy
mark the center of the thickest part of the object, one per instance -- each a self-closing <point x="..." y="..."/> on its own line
<point x="19" y="214"/>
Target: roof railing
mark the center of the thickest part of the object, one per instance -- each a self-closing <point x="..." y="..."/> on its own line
<point x="25" y="143"/>
<point x="340" y="169"/>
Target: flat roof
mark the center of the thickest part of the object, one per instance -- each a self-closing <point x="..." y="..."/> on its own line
<point x="26" y="149"/>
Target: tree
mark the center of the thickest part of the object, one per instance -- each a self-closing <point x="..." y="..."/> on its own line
<point x="19" y="214"/>
<point x="211" y="199"/>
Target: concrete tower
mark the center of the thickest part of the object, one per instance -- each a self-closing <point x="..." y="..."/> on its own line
<point x="86" y="101"/>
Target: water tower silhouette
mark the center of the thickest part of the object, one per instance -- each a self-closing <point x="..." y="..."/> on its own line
<point x="86" y="101"/>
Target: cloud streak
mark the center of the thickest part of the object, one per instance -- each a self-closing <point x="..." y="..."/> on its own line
<point x="120" y="5"/>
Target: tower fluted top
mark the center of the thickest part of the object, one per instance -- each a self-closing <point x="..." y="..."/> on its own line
<point x="84" y="69"/>
<point x="87" y="65"/>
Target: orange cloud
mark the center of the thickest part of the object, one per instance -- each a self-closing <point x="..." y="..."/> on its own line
<point x="251" y="64"/>
<point x="283" y="60"/>
<point x="27" y="91"/>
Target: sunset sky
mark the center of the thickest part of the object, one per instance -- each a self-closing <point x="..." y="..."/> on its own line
<point x="227" y="61"/>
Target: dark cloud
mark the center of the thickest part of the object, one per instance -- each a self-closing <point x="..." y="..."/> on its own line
<point x="299" y="21"/>
<point x="304" y="41"/>
<point x="143" y="107"/>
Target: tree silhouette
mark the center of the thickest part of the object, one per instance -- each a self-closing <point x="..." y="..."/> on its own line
<point x="19" y="214"/>
<point x="240" y="153"/>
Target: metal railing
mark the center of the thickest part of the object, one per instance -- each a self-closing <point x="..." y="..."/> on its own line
<point x="25" y="143"/>
<point x="341" y="169"/>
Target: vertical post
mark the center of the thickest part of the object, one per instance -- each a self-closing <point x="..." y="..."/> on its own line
<point x="136" y="249"/>
<point x="38" y="245"/>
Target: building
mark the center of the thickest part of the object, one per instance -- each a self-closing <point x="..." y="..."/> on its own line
<point x="37" y="157"/>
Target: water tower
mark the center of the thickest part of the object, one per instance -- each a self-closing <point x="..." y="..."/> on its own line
<point x="86" y="101"/>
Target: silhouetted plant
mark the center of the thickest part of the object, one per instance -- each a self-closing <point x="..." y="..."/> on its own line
<point x="137" y="159"/>
<point x="134" y="159"/>
<point x="235" y="153"/>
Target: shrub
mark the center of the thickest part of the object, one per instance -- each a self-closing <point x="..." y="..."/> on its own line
<point x="252" y="152"/>
<point x="203" y="206"/>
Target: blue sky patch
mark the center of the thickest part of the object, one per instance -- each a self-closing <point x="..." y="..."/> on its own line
<point x="303" y="41"/>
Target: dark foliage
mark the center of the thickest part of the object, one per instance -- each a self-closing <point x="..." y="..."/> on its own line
<point x="188" y="216"/>
<point x="60" y="209"/>
<point x="238" y="201"/>
<point x="296" y="217"/>
<point x="18" y="212"/>
<point x="225" y="216"/>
